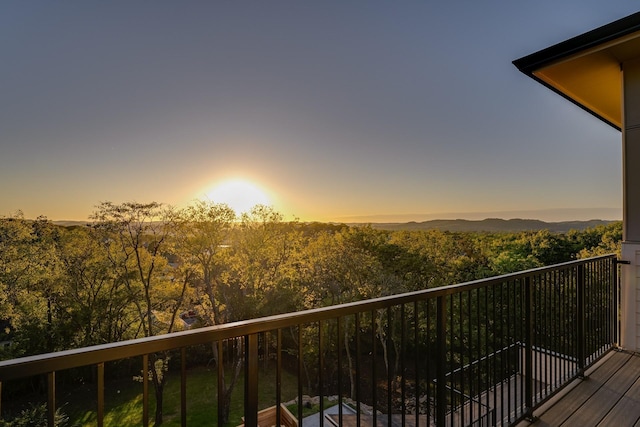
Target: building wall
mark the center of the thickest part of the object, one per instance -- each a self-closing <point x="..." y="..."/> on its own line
<point x="630" y="297"/>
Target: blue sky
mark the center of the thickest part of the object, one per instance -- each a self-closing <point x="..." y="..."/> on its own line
<point x="337" y="110"/>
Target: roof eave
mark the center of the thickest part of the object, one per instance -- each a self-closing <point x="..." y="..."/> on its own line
<point x="537" y="64"/>
<point x="607" y="33"/>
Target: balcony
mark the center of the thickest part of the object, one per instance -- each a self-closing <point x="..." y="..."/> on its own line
<point x="481" y="353"/>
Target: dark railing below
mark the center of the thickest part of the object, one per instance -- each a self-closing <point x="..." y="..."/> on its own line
<point x="486" y="352"/>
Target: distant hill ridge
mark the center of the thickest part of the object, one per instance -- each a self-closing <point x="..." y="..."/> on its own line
<point x="491" y="225"/>
<point x="495" y="225"/>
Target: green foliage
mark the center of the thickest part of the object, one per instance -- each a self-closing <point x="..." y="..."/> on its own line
<point x="36" y="416"/>
<point x="140" y="265"/>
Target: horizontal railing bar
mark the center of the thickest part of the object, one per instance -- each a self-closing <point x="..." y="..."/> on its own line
<point x="40" y="364"/>
<point x="483" y="358"/>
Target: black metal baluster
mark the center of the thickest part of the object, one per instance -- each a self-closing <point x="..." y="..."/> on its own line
<point x="321" y="369"/>
<point x="556" y="332"/>
<point x="602" y="304"/>
<point x="416" y="366"/>
<point x="616" y="303"/>
<point x="594" y="311"/>
<point x="510" y="321"/>
<point x="145" y="390"/>
<point x="183" y="387"/>
<point x="487" y="363"/>
<point x="451" y="362"/>
<point x="278" y="377"/>
<point x="501" y="322"/>
<point x="357" y="331"/>
<point x="604" y="335"/>
<point x="535" y="336"/>
<point x="470" y="349"/>
<point x="566" y="316"/>
<point x="220" y="369"/>
<point x="494" y="350"/>
<point x="374" y="366"/>
<point x="389" y="373"/>
<point x="340" y="368"/>
<point x="251" y="380"/>
<point x="441" y="398"/>
<point x="100" y="413"/>
<point x="51" y="399"/>
<point x="402" y="362"/>
<point x="561" y="323"/>
<point x="461" y="346"/>
<point x="528" y="306"/>
<point x="581" y="320"/>
<point x="546" y="334"/>
<point x="590" y="313"/>
<point x="479" y="292"/>
<point x="428" y="360"/>
<point x="300" y="368"/>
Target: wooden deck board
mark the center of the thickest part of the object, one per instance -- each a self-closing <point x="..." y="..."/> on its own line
<point x="572" y="402"/>
<point x="607" y="396"/>
<point x="625" y="412"/>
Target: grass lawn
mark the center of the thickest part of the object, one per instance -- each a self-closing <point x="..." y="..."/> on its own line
<point x="123" y="399"/>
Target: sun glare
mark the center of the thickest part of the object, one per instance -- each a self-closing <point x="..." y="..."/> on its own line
<point x="239" y="194"/>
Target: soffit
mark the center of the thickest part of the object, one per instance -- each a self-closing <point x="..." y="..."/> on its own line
<point x="587" y="69"/>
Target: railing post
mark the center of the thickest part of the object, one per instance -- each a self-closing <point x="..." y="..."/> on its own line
<point x="251" y="380"/>
<point x="615" y="315"/>
<point x="145" y="390"/>
<point x="279" y="377"/>
<point x="183" y="386"/>
<point x="221" y="384"/>
<point x="300" y="370"/>
<point x="580" y="284"/>
<point x="51" y="406"/>
<point x="100" y="413"/>
<point x="441" y="326"/>
<point x="528" y="354"/>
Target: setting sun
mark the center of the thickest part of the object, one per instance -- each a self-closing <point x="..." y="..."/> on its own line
<point x="239" y="194"/>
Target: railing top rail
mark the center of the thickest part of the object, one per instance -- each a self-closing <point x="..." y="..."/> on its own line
<point x="40" y="364"/>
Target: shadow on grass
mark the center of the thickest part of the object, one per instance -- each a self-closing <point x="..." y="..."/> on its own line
<point x="123" y="400"/>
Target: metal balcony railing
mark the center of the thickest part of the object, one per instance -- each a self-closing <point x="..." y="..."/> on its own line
<point x="482" y="353"/>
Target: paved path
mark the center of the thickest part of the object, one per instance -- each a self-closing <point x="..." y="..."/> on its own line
<point x="314" y="420"/>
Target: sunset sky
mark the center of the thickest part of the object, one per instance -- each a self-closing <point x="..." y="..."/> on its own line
<point x="328" y="110"/>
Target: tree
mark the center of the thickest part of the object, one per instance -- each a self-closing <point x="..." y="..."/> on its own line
<point x="98" y="304"/>
<point x="16" y="238"/>
<point x="202" y="234"/>
<point x="340" y="268"/>
<point x="30" y="281"/>
<point x="262" y="251"/>
<point x="136" y="238"/>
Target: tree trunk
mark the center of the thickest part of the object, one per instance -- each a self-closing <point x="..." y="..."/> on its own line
<point x="158" y="380"/>
<point x="228" y="391"/>
<point x="347" y="349"/>
<point x="226" y="407"/>
<point x="159" y="398"/>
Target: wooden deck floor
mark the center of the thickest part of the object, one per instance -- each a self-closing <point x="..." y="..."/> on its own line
<point x="608" y="396"/>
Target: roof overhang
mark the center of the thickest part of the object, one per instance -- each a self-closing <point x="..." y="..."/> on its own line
<point x="587" y="69"/>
